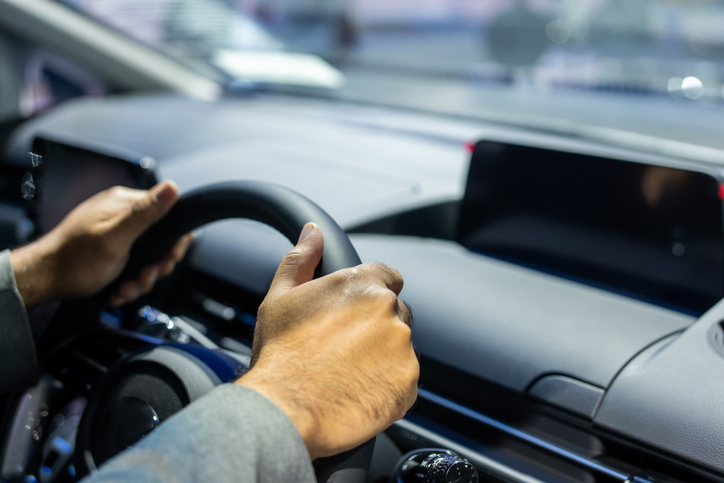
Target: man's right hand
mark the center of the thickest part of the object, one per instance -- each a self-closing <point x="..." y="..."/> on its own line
<point x="335" y="354"/>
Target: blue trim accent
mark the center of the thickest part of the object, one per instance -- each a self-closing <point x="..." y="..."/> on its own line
<point x="516" y="433"/>
<point x="225" y="367"/>
<point x="248" y="319"/>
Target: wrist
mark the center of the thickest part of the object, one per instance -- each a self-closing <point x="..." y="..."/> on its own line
<point x="285" y="399"/>
<point x="35" y="268"/>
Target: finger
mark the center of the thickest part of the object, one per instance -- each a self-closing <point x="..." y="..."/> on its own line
<point x="147" y="209"/>
<point x="175" y="255"/>
<point x="147" y="279"/>
<point x="166" y="268"/>
<point x="177" y="252"/>
<point x="298" y="266"/>
<point x="131" y="290"/>
<point x="126" y="292"/>
<point x="388" y="276"/>
<point x="117" y="300"/>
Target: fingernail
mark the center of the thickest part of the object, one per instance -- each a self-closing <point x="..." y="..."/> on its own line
<point x="306" y="231"/>
<point x="164" y="193"/>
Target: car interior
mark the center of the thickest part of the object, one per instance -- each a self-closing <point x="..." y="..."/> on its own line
<point x="565" y="281"/>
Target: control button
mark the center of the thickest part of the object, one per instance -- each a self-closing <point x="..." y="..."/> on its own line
<point x="432" y="465"/>
<point x="448" y="468"/>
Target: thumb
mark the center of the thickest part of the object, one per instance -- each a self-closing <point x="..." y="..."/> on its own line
<point x="149" y="208"/>
<point x="298" y="266"/>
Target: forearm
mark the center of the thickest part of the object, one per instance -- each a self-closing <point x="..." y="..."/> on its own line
<point x="35" y="271"/>
<point x="232" y="434"/>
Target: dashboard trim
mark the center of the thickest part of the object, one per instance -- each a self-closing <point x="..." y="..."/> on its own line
<point x="521" y="435"/>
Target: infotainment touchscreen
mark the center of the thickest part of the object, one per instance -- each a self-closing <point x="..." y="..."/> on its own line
<point x="649" y="231"/>
<point x="68" y="174"/>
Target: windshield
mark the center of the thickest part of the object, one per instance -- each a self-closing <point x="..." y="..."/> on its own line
<point x="626" y="69"/>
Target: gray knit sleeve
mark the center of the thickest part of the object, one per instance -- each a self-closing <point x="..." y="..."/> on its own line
<point x="18" y="362"/>
<point x="233" y="434"/>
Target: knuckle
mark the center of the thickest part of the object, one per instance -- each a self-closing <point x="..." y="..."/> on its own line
<point x="386" y="275"/>
<point x="140" y="206"/>
<point x="392" y="272"/>
<point x="116" y="191"/>
<point x="388" y="298"/>
<point x="295" y="257"/>
<point x="396" y="275"/>
<point x="372" y="270"/>
<point x="405" y="332"/>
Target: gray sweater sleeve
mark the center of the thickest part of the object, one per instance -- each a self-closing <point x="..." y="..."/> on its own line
<point x="18" y="362"/>
<point x="233" y="434"/>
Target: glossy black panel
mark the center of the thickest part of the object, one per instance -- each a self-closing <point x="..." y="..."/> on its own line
<point x="646" y="230"/>
<point x="72" y="170"/>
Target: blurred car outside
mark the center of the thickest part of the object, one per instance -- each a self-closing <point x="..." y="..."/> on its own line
<point x="640" y="68"/>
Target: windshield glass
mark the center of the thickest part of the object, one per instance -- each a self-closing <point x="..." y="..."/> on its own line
<point x="629" y="70"/>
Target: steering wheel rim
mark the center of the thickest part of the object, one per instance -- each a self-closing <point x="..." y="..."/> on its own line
<point x="281" y="208"/>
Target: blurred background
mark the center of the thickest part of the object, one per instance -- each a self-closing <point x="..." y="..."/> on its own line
<point x="536" y="62"/>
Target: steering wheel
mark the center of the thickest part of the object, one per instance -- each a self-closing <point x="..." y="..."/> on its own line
<point x="194" y="371"/>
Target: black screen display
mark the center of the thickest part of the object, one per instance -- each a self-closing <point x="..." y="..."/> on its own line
<point x="68" y="175"/>
<point x="649" y="231"/>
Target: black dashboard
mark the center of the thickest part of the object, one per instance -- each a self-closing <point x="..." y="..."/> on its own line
<point x="558" y="288"/>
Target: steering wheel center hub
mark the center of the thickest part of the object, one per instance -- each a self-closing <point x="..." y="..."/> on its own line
<point x="128" y="420"/>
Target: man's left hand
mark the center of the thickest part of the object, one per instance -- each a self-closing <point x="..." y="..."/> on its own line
<point x="90" y="248"/>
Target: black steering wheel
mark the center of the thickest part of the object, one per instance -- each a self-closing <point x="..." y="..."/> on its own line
<point x="274" y="205"/>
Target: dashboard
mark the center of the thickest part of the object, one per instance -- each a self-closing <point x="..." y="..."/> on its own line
<point x="565" y="292"/>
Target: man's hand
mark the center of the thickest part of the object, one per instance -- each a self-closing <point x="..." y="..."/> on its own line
<point x="90" y="247"/>
<point x="335" y="354"/>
